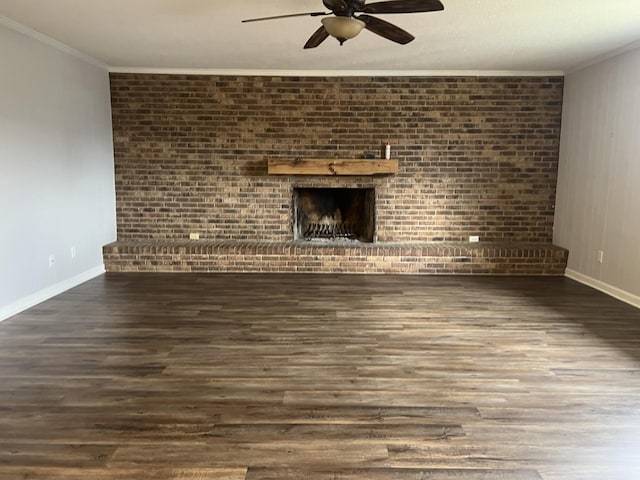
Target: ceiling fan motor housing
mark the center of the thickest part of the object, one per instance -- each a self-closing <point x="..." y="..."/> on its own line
<point x="344" y="8"/>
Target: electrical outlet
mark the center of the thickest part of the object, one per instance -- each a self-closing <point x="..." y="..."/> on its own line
<point x="73" y="252"/>
<point x="474" y="238"/>
<point x="194" y="236"/>
<point x="52" y="260"/>
<point x="600" y="256"/>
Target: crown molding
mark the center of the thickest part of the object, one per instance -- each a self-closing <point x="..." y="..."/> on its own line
<point x="338" y="73"/>
<point x="602" y="58"/>
<point x="18" y="27"/>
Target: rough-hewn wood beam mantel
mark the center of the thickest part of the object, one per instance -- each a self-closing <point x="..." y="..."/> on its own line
<point x="280" y="166"/>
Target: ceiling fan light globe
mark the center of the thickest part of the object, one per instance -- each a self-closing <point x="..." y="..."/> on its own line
<point x="343" y="28"/>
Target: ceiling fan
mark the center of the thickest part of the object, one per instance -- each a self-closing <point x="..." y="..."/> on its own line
<point x="342" y="22"/>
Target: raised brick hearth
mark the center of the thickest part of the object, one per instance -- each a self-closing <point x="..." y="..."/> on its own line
<point x="431" y="258"/>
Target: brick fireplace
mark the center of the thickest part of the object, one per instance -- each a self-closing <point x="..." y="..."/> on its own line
<point x="477" y="157"/>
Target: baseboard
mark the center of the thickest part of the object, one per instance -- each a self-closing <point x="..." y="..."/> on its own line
<point x="49" y="292"/>
<point x="615" y="292"/>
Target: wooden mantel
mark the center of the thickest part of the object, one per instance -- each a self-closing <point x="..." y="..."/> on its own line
<point x="282" y="166"/>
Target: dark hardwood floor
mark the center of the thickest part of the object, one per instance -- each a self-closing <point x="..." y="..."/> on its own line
<point x="332" y="377"/>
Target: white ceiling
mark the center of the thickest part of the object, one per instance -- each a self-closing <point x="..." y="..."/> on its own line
<point x="469" y="35"/>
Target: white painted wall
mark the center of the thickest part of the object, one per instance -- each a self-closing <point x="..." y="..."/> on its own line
<point x="598" y="199"/>
<point x="57" y="188"/>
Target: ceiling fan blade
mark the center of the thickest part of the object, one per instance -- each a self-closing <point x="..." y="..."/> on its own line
<point x="386" y="30"/>
<point x="310" y="14"/>
<point x="317" y="38"/>
<point x="404" y="6"/>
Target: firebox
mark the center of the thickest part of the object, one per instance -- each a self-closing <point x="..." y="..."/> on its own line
<point x="334" y="214"/>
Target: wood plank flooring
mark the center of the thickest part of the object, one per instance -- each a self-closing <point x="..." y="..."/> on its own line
<point x="321" y="377"/>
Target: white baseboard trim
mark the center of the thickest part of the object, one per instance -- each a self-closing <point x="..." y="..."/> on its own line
<point x="615" y="292"/>
<point x="49" y="292"/>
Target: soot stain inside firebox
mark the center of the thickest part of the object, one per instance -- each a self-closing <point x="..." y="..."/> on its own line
<point x="323" y="214"/>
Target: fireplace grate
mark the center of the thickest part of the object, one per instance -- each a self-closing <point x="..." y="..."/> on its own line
<point x="330" y="231"/>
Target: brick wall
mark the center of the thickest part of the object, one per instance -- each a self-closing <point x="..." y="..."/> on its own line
<point x="478" y="155"/>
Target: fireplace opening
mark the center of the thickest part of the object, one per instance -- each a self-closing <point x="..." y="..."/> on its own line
<point x="334" y="214"/>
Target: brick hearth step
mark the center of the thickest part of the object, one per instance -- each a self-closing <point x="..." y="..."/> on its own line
<point x="484" y="258"/>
